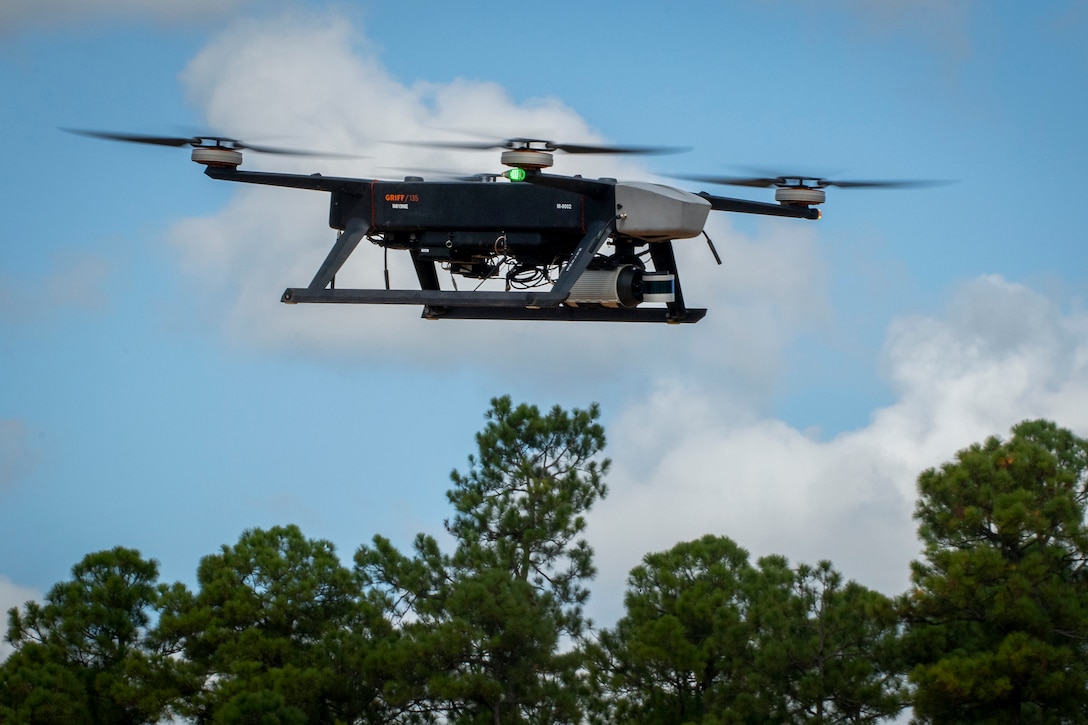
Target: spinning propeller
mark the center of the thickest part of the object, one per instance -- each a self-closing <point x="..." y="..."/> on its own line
<point x="208" y="150"/>
<point x="539" y="144"/>
<point x="805" y="189"/>
<point x="536" y="153"/>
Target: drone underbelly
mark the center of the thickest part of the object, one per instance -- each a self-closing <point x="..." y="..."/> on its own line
<point x="466" y="245"/>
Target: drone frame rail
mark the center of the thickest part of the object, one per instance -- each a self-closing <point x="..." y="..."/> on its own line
<point x="476" y="305"/>
<point x="322" y="288"/>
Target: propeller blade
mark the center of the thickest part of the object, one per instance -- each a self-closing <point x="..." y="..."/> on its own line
<point x="208" y="141"/>
<point x="462" y="145"/>
<point x="293" y="152"/>
<point x="447" y="174"/>
<point x="900" y="184"/>
<point x="539" y="144"/>
<point x="811" y="181"/>
<point x="177" y="141"/>
<point x="760" y="182"/>
<point x="640" y="150"/>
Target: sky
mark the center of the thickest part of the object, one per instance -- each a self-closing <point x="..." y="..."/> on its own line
<point x="155" y="394"/>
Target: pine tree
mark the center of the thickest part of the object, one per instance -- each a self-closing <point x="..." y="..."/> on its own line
<point x="489" y="629"/>
<point x="998" y="617"/>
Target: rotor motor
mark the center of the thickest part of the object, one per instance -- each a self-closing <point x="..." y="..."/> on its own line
<point x="217" y="156"/>
<point x="799" y="195"/>
<point x="527" y="158"/>
<point x="624" y="286"/>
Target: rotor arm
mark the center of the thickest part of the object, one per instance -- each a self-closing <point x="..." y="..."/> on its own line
<point x="316" y="182"/>
<point x="593" y="188"/>
<point x="744" y="206"/>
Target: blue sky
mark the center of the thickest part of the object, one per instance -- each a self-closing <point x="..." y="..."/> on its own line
<point x="154" y="392"/>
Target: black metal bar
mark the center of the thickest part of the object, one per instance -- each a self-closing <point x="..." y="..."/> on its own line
<point x="598" y="189"/>
<point x="316" y="182"/>
<point x="574" y="314"/>
<point x="581" y="256"/>
<point x="345" y="245"/>
<point x="425" y="271"/>
<point x="440" y="298"/>
<point x="725" y="203"/>
<point x="665" y="261"/>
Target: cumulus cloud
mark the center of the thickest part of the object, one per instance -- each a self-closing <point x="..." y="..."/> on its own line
<point x="312" y="80"/>
<point x="689" y="465"/>
<point x="694" y="452"/>
<point x="12" y="595"/>
<point x="19" y="14"/>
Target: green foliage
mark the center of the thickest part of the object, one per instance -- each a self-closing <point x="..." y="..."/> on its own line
<point x="276" y="633"/>
<point x="38" y="688"/>
<point x="998" y="617"/>
<point x="708" y="638"/>
<point x="825" y="651"/>
<point x="279" y="632"/>
<point x="259" y="707"/>
<point x="87" y="654"/>
<point x="520" y="507"/>
<point x="483" y="626"/>
<point x="682" y="650"/>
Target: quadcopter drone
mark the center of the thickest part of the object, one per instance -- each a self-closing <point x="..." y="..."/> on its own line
<point x="565" y="247"/>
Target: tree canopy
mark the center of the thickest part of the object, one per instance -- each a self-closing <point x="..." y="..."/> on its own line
<point x="278" y="630"/>
<point x="709" y="638"/>
<point x="484" y="625"/>
<point x="998" y="617"/>
<point x="87" y="654"/>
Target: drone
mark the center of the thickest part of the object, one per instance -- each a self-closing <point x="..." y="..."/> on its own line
<point x="563" y="247"/>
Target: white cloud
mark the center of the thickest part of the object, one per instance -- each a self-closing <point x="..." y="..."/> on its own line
<point x="690" y="464"/>
<point x="304" y="78"/>
<point x="694" y="453"/>
<point x="12" y="595"/>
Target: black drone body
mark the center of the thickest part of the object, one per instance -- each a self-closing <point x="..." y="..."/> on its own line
<point x="566" y="247"/>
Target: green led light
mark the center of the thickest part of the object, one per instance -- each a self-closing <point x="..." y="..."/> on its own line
<point x="515" y="174"/>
